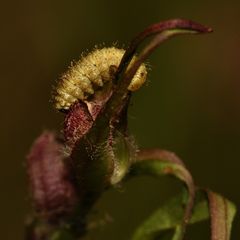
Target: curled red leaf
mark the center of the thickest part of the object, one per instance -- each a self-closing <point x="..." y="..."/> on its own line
<point x="160" y="32"/>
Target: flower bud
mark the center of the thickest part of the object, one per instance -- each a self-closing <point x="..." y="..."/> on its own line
<point x="52" y="188"/>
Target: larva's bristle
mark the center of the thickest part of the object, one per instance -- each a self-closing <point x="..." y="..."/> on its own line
<point x="89" y="73"/>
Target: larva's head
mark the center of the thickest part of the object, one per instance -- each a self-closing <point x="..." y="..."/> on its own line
<point x="90" y="73"/>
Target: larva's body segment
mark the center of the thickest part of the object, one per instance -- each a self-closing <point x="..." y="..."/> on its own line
<point x="90" y="73"/>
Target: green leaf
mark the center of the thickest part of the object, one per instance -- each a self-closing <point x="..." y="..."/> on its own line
<point x="181" y="211"/>
<point x="222" y="214"/>
<point x="170" y="216"/>
<point x="158" y="162"/>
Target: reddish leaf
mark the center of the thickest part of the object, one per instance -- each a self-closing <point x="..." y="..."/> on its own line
<point x="222" y="213"/>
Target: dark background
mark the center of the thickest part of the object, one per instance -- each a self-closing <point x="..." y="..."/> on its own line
<point x="190" y="104"/>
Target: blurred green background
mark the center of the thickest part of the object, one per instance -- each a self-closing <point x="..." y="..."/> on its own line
<point x="190" y="104"/>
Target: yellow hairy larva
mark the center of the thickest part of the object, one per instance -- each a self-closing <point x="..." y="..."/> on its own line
<point x="90" y="73"/>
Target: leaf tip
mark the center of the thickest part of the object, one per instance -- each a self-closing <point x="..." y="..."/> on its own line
<point x="197" y="27"/>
